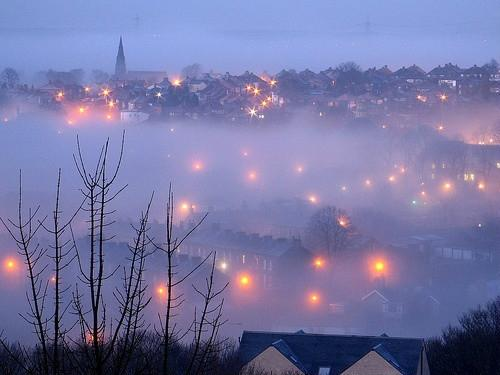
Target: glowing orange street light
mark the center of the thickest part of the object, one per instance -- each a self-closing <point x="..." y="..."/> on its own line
<point x="244" y="281"/>
<point x="319" y="262"/>
<point x="368" y="182"/>
<point x="81" y="110"/>
<point x="314" y="298"/>
<point x="109" y="117"/>
<point x="343" y="222"/>
<point x="447" y="186"/>
<point x="10" y="265"/>
<point x="481" y="186"/>
<point x="299" y="169"/>
<point x="105" y="92"/>
<point x="184" y="206"/>
<point x="111" y="104"/>
<point x="177" y="82"/>
<point x="379" y="266"/>
<point x="60" y="95"/>
<point x="87" y="89"/>
<point x="256" y="91"/>
<point x="392" y="179"/>
<point x="273" y="83"/>
<point x="443" y="97"/>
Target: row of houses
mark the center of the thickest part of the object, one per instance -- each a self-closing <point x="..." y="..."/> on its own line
<point x="344" y="90"/>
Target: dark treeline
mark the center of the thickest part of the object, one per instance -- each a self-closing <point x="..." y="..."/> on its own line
<point x="146" y="359"/>
<point x="471" y="347"/>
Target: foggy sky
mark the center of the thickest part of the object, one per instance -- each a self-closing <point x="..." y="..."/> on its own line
<point x="239" y="35"/>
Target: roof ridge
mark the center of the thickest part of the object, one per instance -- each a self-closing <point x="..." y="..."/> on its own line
<point x="336" y="335"/>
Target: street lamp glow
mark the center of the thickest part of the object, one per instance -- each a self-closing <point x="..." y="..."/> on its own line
<point x="197" y="166"/>
<point x="312" y="199"/>
<point x="447" y="186"/>
<point x="314" y="298"/>
<point x="319" y="263"/>
<point x="379" y="266"/>
<point x="244" y="281"/>
<point x="343" y="222"/>
<point x="10" y="265"/>
<point x="252" y="112"/>
<point x="252" y="175"/>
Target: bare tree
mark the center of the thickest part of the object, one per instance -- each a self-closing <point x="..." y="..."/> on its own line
<point x="168" y="331"/>
<point x="102" y="332"/>
<point x="23" y="232"/>
<point x="329" y="230"/>
<point x="206" y="326"/>
<point x="9" y="77"/>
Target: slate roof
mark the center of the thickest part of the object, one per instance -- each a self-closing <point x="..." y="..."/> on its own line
<point x="287" y="352"/>
<point x="335" y="351"/>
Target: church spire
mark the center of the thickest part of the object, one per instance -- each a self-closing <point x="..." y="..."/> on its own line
<point x="120" y="66"/>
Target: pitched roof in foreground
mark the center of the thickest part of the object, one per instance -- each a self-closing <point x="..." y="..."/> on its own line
<point x="338" y="352"/>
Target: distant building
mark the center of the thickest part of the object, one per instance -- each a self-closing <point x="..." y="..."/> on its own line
<point x="312" y="354"/>
<point x="132" y="116"/>
<point x="122" y="74"/>
<point x="120" y="66"/>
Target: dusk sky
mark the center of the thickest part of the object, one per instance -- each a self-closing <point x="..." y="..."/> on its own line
<point x="256" y="35"/>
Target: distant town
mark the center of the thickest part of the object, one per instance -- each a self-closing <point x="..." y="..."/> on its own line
<point x="346" y="92"/>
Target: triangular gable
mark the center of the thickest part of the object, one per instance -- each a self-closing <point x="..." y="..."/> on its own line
<point x="377" y="293"/>
<point x="369" y="357"/>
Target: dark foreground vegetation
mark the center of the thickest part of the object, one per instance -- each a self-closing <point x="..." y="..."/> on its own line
<point x="471" y="347"/>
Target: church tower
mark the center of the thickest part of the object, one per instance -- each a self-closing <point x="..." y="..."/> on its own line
<point x="120" y="66"/>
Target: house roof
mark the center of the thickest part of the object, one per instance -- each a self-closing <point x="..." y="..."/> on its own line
<point x="288" y="353"/>
<point x="384" y="353"/>
<point x="335" y="351"/>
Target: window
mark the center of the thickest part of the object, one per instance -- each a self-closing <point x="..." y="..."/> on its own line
<point x="469" y="177"/>
<point x="324" y="371"/>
